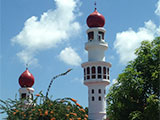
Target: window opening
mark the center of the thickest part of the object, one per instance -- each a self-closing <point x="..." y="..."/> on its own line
<point x="92" y="98"/>
<point x="99" y="69"/>
<point x="84" y="74"/>
<point x="99" y="72"/>
<point x="84" y="71"/>
<point x="23" y="95"/>
<point x="108" y="71"/>
<point x="92" y="91"/>
<point x="90" y="36"/>
<point x="88" y="70"/>
<point x="88" y="73"/>
<point x="93" y="72"/>
<point x="99" y="91"/>
<point x="102" y="34"/>
<point x="104" y="72"/>
<point x="99" y="98"/>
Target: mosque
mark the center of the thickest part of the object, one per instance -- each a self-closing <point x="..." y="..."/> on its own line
<point x="96" y="70"/>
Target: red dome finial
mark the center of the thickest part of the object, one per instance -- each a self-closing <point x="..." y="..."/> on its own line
<point x="26" y="79"/>
<point x="95" y="19"/>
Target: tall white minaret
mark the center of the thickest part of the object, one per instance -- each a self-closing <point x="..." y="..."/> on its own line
<point x="26" y="81"/>
<point x="96" y="70"/>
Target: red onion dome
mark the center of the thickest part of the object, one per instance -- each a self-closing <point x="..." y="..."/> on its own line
<point x="95" y="19"/>
<point x="26" y="79"/>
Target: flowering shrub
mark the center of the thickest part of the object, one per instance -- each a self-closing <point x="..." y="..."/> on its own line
<point x="44" y="109"/>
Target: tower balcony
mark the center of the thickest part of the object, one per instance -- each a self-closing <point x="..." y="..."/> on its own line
<point x="96" y="72"/>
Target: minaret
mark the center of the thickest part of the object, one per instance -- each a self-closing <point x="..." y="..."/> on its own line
<point x="26" y="81"/>
<point x="96" y="70"/>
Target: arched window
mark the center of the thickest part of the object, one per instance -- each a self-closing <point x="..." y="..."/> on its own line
<point x="88" y="70"/>
<point x="99" y="72"/>
<point x="99" y="69"/>
<point x="90" y="36"/>
<point x="93" y="72"/>
<point x="104" y="72"/>
<point x="99" y="98"/>
<point x="108" y="73"/>
<point x="92" y="91"/>
<point x="84" y="74"/>
<point x="99" y="91"/>
<point x="92" y="98"/>
<point x="88" y="73"/>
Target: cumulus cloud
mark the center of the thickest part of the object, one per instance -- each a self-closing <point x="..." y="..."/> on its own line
<point x="157" y="11"/>
<point x="51" y="29"/>
<point x="70" y="57"/>
<point x="127" y="41"/>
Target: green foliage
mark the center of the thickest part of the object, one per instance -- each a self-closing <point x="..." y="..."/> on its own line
<point x="46" y="109"/>
<point x="136" y="94"/>
<point x="43" y="108"/>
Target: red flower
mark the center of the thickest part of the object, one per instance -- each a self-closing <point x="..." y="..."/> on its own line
<point x="78" y="104"/>
<point x="74" y="100"/>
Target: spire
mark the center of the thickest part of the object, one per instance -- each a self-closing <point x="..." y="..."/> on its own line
<point x="95" y="5"/>
<point x="27" y="66"/>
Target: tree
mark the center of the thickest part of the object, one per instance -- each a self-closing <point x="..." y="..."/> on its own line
<point x="136" y="94"/>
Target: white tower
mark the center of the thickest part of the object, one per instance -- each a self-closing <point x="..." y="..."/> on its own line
<point x="26" y="81"/>
<point x="96" y="70"/>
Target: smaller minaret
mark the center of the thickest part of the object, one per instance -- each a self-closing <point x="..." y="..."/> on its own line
<point x="26" y="81"/>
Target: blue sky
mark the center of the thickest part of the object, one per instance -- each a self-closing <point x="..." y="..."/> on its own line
<point x="50" y="36"/>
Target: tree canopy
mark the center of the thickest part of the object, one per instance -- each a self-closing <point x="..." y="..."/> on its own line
<point x="136" y="94"/>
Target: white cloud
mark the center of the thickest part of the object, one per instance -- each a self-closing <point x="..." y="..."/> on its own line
<point x="157" y="11"/>
<point x="51" y="29"/>
<point x="70" y="57"/>
<point x="127" y="41"/>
